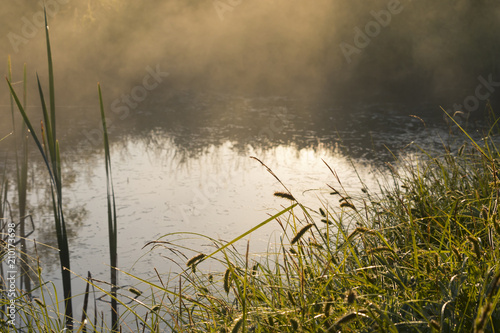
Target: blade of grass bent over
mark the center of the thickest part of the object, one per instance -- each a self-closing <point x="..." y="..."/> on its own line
<point x="250" y="231"/>
<point x="30" y="128"/>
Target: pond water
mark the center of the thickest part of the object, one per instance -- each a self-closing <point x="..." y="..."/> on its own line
<point x="185" y="166"/>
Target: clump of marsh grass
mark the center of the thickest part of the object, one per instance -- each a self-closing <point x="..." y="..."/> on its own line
<point x="422" y="256"/>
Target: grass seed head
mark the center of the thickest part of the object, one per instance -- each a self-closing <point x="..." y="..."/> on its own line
<point x="135" y="291"/>
<point x="351" y="296"/>
<point x="227" y="280"/>
<point x="347" y="204"/>
<point x="284" y="195"/>
<point x="476" y="246"/>
<point x="39" y="302"/>
<point x="322" y="212"/>
<point x="301" y="233"/>
<point x="194" y="260"/>
<point x="360" y="230"/>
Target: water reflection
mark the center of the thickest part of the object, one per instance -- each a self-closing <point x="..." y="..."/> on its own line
<point x="196" y="121"/>
<point x="219" y="192"/>
<point x="181" y="163"/>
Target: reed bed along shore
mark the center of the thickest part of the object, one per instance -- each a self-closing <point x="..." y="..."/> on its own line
<point x="420" y="255"/>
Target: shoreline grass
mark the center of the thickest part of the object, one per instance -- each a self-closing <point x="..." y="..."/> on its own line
<point x="420" y="257"/>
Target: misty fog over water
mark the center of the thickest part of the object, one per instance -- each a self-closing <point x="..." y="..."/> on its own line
<point x="192" y="89"/>
<point x="388" y="50"/>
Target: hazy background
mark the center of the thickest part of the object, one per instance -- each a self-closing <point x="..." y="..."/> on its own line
<point x="431" y="52"/>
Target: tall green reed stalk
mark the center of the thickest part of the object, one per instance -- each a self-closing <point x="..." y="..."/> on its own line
<point x="21" y="157"/>
<point x="112" y="222"/>
<point x="49" y="149"/>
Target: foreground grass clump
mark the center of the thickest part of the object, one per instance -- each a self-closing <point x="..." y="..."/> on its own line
<point x="420" y="257"/>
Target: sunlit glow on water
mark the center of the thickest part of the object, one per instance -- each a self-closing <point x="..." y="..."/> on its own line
<point x="219" y="193"/>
